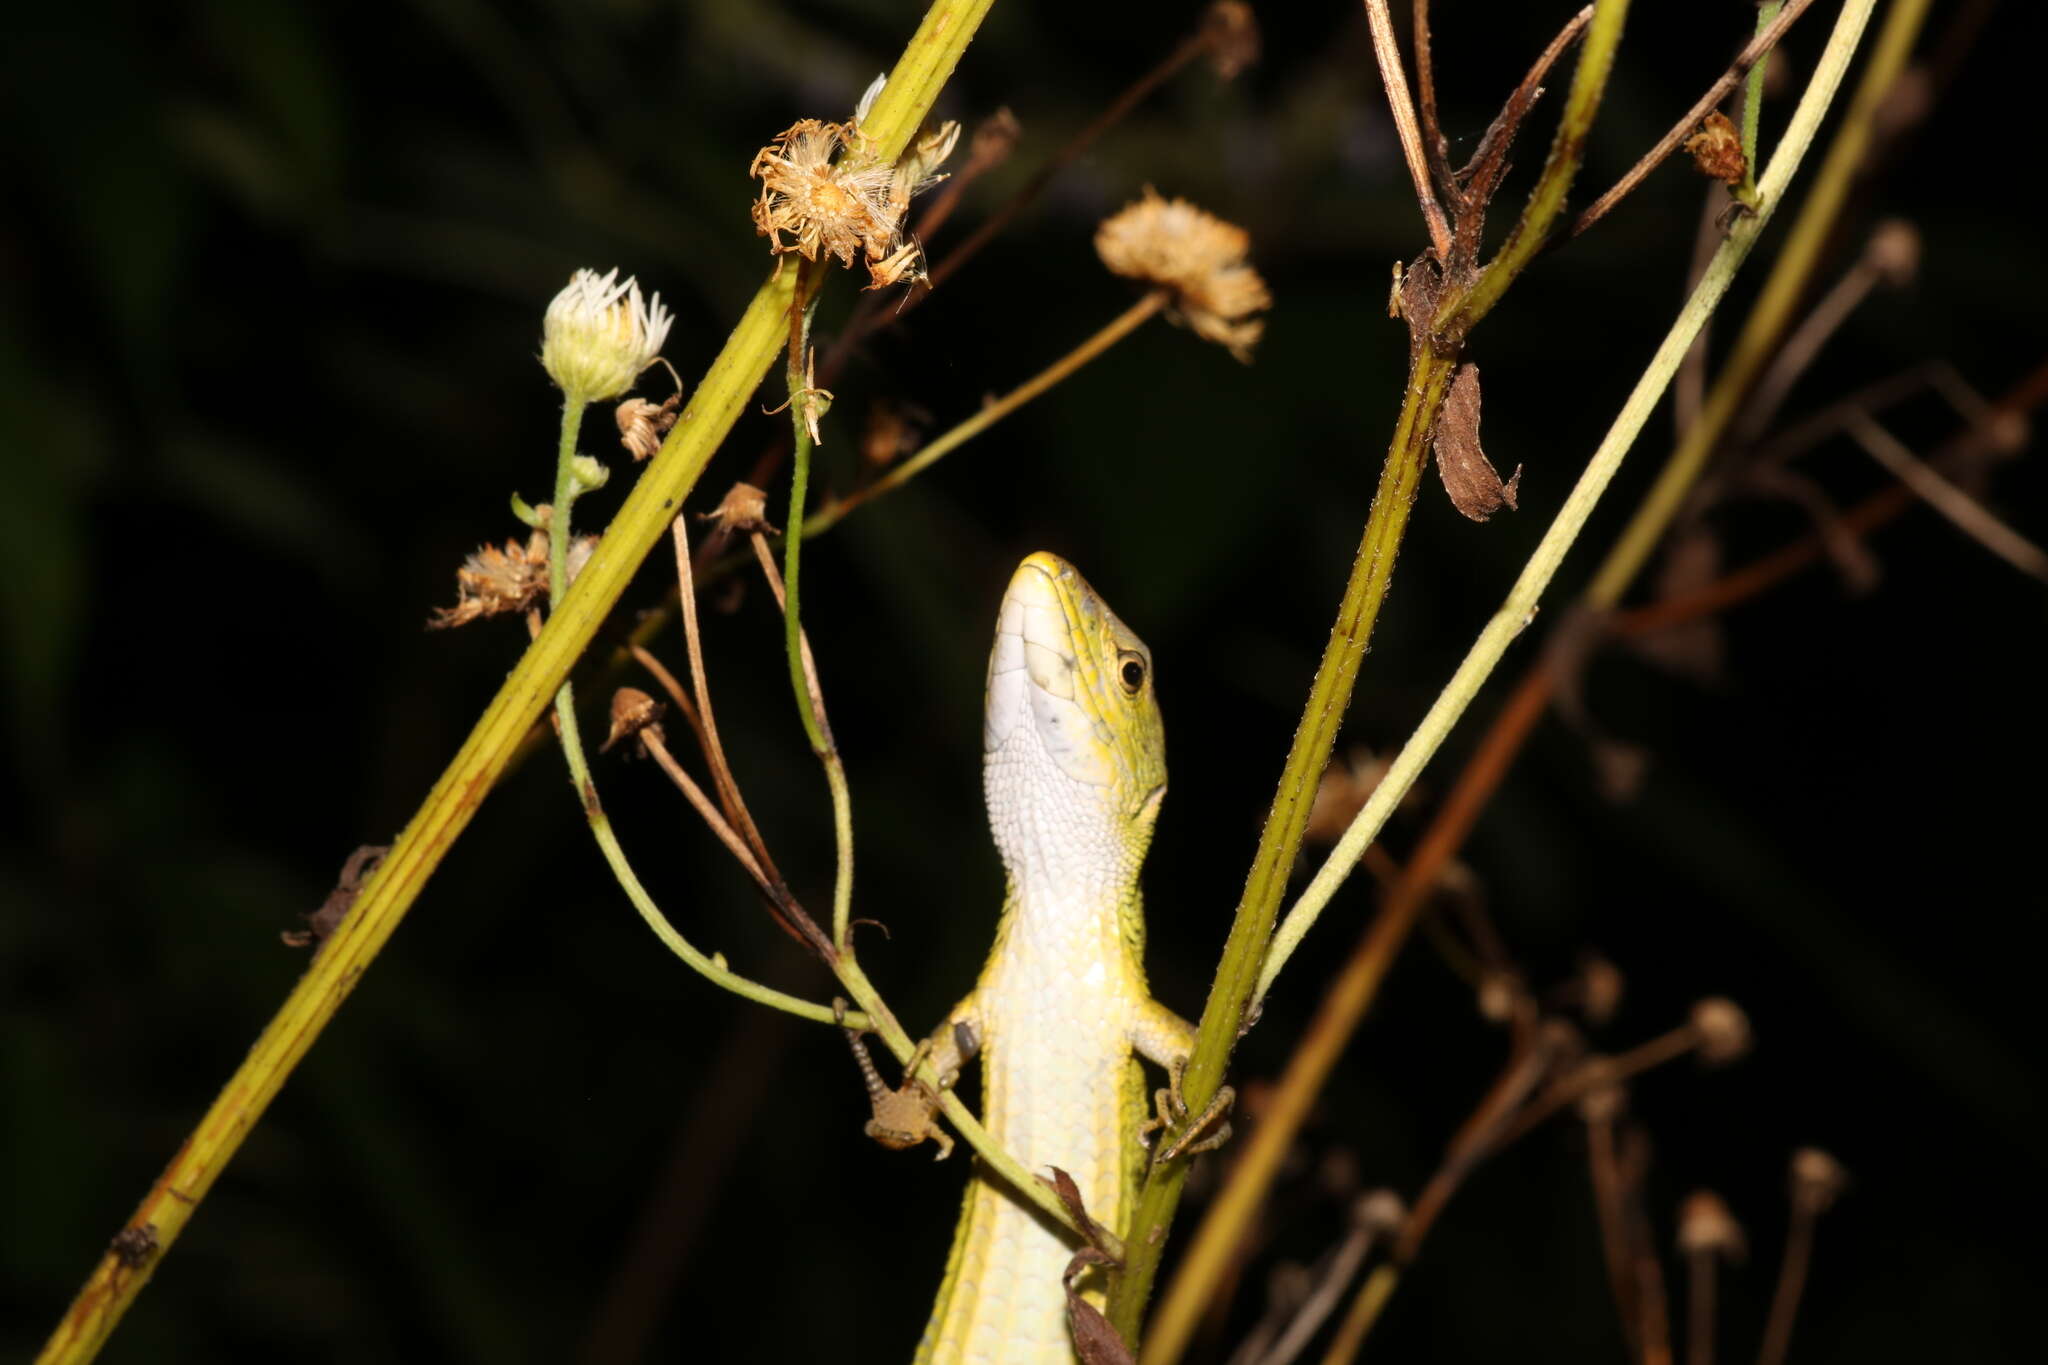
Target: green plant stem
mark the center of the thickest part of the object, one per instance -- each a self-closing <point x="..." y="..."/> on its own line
<point x="1753" y="103"/>
<point x="1520" y="606"/>
<point x="932" y="53"/>
<point x="1777" y="302"/>
<point x="712" y="966"/>
<point x="810" y="701"/>
<point x="1233" y="991"/>
<point x="1560" y="169"/>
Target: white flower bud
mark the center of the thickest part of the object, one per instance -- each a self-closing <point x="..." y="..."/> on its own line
<point x="599" y="334"/>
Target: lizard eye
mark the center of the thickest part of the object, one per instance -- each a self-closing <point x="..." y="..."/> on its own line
<point x="1132" y="673"/>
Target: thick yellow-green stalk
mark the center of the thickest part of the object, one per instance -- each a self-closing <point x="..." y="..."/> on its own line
<point x="949" y="25"/>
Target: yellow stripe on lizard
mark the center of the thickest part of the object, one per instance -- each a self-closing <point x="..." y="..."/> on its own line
<point x="1074" y="769"/>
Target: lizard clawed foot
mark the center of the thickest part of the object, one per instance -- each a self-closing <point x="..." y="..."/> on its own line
<point x="1209" y="1129"/>
<point x="903" y="1117"/>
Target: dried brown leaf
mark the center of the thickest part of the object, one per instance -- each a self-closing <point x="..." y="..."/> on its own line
<point x="1469" y="477"/>
<point x="1095" y="1341"/>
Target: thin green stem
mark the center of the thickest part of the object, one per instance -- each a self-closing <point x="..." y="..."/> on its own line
<point x="1521" y="603"/>
<point x="712" y="967"/>
<point x="1777" y="303"/>
<point x="741" y="364"/>
<point x="803" y="673"/>
<point x="1235" y="989"/>
<point x="1753" y="103"/>
<point x="1560" y="169"/>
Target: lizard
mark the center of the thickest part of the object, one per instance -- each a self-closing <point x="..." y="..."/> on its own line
<point x="1073" y="771"/>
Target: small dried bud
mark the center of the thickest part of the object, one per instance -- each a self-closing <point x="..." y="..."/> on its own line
<point x="1817" y="1180"/>
<point x="1706" y="1225"/>
<point x="1469" y="477"/>
<point x="743" y="511"/>
<point x="1196" y="256"/>
<point x="1499" y="992"/>
<point x="634" y="715"/>
<point x="642" y="424"/>
<point x="994" y="138"/>
<point x="1603" y="1103"/>
<point x="1232" y="35"/>
<point x="1600" y="987"/>
<point x="1380" y="1212"/>
<point x="2008" y="433"/>
<point x="1894" y="252"/>
<point x="887" y="436"/>
<point x="1717" y="150"/>
<point x="599" y="334"/>
<point x="1723" y="1030"/>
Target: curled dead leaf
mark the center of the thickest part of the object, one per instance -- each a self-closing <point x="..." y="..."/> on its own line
<point x="1469" y="477"/>
<point x="1717" y="150"/>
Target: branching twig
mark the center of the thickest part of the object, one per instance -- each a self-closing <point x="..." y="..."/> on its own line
<point x="1752" y="52"/>
<point x="1395" y="78"/>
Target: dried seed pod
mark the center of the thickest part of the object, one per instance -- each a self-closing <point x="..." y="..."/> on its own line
<point x="1817" y="1180"/>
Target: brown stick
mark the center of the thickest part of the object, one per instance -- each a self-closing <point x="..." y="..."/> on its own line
<point x="1750" y="55"/>
<point x="1395" y="79"/>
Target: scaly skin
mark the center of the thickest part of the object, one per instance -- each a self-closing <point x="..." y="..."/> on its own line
<point x="1074" y="768"/>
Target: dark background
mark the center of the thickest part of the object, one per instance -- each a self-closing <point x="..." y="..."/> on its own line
<point x="273" y="279"/>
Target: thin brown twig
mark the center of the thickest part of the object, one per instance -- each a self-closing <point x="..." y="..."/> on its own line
<point x="1791" y="1286"/>
<point x="714" y="748"/>
<point x="1395" y="79"/>
<point x="651" y="740"/>
<point x="1433" y="145"/>
<point x="1699" y="1306"/>
<point x="1652" y="1306"/>
<point x="1751" y="54"/>
<point x="1610" y="1198"/>
<point x="1964" y="512"/>
<point x="1489" y="160"/>
<point x="1596" y="1072"/>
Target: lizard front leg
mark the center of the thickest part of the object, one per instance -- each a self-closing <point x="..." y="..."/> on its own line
<point x="1159" y="1035"/>
<point x="905" y="1116"/>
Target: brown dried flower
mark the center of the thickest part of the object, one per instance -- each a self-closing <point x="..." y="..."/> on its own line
<point x="1817" y="1180"/>
<point x="1723" y="1030"/>
<point x="822" y="185"/>
<point x="742" y="511"/>
<point x="1717" y="150"/>
<point x="1199" y="258"/>
<point x="1232" y="35"/>
<point x="634" y="714"/>
<point x="642" y="424"/>
<point x="1706" y="1225"/>
<point x="495" y="582"/>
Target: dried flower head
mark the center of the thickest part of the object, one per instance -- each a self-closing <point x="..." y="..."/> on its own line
<point x="1232" y="35"/>
<point x="1380" y="1211"/>
<point x="642" y="424"/>
<point x="599" y="334"/>
<point x="1817" y="1180"/>
<point x="495" y="582"/>
<point x="742" y="512"/>
<point x="1723" y="1030"/>
<point x="1199" y="258"/>
<point x="1706" y="1225"/>
<point x="822" y="185"/>
<point x="1598" y="989"/>
<point x="1716" y="149"/>
<point x="635" y="715"/>
<point x="1894" y="252"/>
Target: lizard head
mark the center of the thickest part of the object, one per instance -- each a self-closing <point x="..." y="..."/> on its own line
<point x="1074" y="753"/>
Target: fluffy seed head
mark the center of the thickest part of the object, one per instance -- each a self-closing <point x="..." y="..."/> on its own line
<point x="1199" y="258"/>
<point x="599" y="334"/>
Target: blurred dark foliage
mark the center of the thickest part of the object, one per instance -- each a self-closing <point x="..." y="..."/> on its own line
<point x="271" y="280"/>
